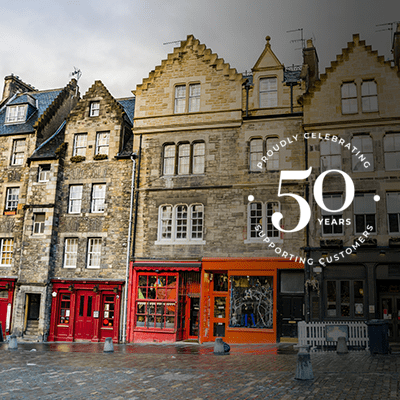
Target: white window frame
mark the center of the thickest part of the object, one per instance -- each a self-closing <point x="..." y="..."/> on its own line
<point x="102" y="142"/>
<point x="194" y="97"/>
<point x="369" y="96"/>
<point x="349" y="98"/>
<point x="333" y="202"/>
<point x="94" y="108"/>
<point x="393" y="208"/>
<point x="180" y="99"/>
<point x="16" y="114"/>
<point x="80" y="143"/>
<point x="330" y="155"/>
<point x="169" y="159"/>
<point x="255" y="153"/>
<point x="360" y="209"/>
<point x="44" y="173"/>
<point x="184" y="159"/>
<point x="199" y="158"/>
<point x="391" y="146"/>
<point x="268" y="94"/>
<point x="365" y="145"/>
<point x="38" y="226"/>
<point x="98" y="198"/>
<point x="94" y="253"/>
<point x="75" y="199"/>
<point x="272" y="162"/>
<point x="12" y="199"/>
<point x="262" y="217"/>
<point x="18" y="152"/>
<point x="173" y="228"/>
<point x="6" y="252"/>
<point x="70" y="252"/>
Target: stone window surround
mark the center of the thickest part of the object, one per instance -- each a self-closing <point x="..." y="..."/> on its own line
<point x="15" y="153"/>
<point x="2" y="238"/>
<point x="358" y="82"/>
<point x="94" y="108"/>
<point x="6" y="189"/>
<point x="258" y="86"/>
<point x="187" y="98"/>
<point x="265" y="148"/>
<point x="78" y="149"/>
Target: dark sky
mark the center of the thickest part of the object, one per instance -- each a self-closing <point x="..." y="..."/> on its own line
<point x="120" y="42"/>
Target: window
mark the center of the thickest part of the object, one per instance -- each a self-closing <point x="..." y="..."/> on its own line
<point x="12" y="199"/>
<point x="94" y="253"/>
<point x="273" y="162"/>
<point x="109" y="310"/>
<point x="80" y="141"/>
<point x="349" y="98"/>
<point x="260" y="214"/>
<point x="180" y="99"/>
<point x="70" y="252"/>
<point x="16" y="113"/>
<point x="183" y="159"/>
<point x="330" y="224"/>
<point x="363" y="143"/>
<point x="180" y="223"/>
<point x="369" y="96"/>
<point x="345" y="299"/>
<point x="75" y="199"/>
<point x="6" y="252"/>
<point x="38" y="223"/>
<point x="18" y="152"/>
<point x="330" y="155"/>
<point x="65" y="309"/>
<point x="256" y="152"/>
<point x="157" y="299"/>
<point x="251" y="304"/>
<point x="102" y="142"/>
<point x="391" y="145"/>
<point x="95" y="109"/>
<point x="194" y="97"/>
<point x="268" y="92"/>
<point x="364" y="212"/>
<point x="44" y="173"/>
<point x="169" y="159"/>
<point x="198" y="158"/>
<point x="98" y="197"/>
<point x="190" y="160"/>
<point x="393" y="210"/>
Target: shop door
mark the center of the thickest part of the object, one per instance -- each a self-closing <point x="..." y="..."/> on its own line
<point x="390" y="311"/>
<point x="219" y="299"/>
<point x="33" y="307"/>
<point x="192" y="319"/>
<point x="291" y="312"/>
<point x="84" y="320"/>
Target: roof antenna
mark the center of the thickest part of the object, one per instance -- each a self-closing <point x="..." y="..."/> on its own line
<point x="175" y="41"/>
<point x="76" y="75"/>
<point x="390" y="27"/>
<point x="302" y="40"/>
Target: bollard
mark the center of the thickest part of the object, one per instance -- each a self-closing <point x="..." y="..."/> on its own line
<point x="303" y="368"/>
<point x="341" y="347"/>
<point x="108" y="346"/>
<point x="12" y="343"/>
<point x="220" y="347"/>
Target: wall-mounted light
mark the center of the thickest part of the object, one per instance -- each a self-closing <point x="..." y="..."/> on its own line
<point x="115" y="290"/>
<point x="71" y="288"/>
<point x="96" y="289"/>
<point x="7" y="286"/>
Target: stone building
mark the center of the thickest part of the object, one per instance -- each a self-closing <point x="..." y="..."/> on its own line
<point x="354" y="112"/>
<point x="204" y="129"/>
<point x="29" y="118"/>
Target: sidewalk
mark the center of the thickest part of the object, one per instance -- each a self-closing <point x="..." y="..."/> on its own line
<point x="190" y="371"/>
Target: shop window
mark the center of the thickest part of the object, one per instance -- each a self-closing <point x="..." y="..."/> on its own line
<point x="330" y="223"/>
<point x="369" y="96"/>
<point x="393" y="211"/>
<point x="75" y="199"/>
<point x="80" y="141"/>
<point x="364" y="212"/>
<point x="38" y="223"/>
<point x="251" y="303"/>
<point x="94" y="108"/>
<point x="157" y="298"/>
<point x="94" y="253"/>
<point x="12" y="199"/>
<point x="44" y="173"/>
<point x="331" y="157"/>
<point x="349" y="98"/>
<point x="109" y="311"/>
<point x="345" y="299"/>
<point x="260" y="215"/>
<point x="65" y="309"/>
<point x="70" y="252"/>
<point x="391" y="145"/>
<point x="18" y="152"/>
<point x="256" y="152"/>
<point x="268" y="92"/>
<point x="98" y="198"/>
<point x="102" y="143"/>
<point x="6" y="252"/>
<point x="363" y="143"/>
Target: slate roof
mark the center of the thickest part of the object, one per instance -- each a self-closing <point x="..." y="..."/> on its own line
<point x="43" y="101"/>
<point x="129" y="106"/>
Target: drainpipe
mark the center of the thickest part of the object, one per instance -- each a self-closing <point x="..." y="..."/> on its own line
<point x="128" y="249"/>
<point x="247" y="86"/>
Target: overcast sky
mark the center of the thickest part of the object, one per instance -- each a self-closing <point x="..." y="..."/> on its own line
<point x="120" y="42"/>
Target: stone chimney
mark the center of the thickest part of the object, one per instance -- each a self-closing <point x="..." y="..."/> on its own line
<point x="396" y="47"/>
<point x="12" y="85"/>
<point x="310" y="58"/>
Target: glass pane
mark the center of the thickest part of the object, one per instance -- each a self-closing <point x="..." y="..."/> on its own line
<point x="331" y="298"/>
<point x="220" y="282"/>
<point x="359" y="298"/>
<point x="219" y="307"/>
<point x="345" y="298"/>
<point x="89" y="307"/>
<point x="81" y="305"/>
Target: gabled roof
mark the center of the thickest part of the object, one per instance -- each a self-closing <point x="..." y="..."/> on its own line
<point x="267" y="59"/>
<point x="190" y="44"/>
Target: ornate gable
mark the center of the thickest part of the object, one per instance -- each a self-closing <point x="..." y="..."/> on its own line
<point x="268" y="59"/>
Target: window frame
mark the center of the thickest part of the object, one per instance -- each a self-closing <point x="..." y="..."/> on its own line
<point x="78" y="200"/>
<point x="20" y="114"/>
<point x="186" y="157"/>
<point x="99" y="147"/>
<point x="396" y="213"/>
<point x="259" y="154"/>
<point x="364" y="195"/>
<point x="266" y="221"/>
<point x="198" y="157"/>
<point x="10" y="201"/>
<point x="326" y="214"/>
<point x="94" y="109"/>
<point x="194" y="99"/>
<point x="391" y="150"/>
<point x="173" y="161"/>
<point x="77" y="149"/>
<point x="101" y="200"/>
<point x="274" y="161"/>
<point x="16" y="155"/>
<point x="70" y="254"/>
<point x="46" y="172"/>
<point x="330" y="155"/>
<point x="361" y="148"/>
<point x="369" y="96"/>
<point x="92" y="254"/>
<point x="348" y="98"/>
<point x="5" y="253"/>
<point x="268" y="91"/>
<point x="167" y="158"/>
<point x="38" y="226"/>
<point x="185" y="101"/>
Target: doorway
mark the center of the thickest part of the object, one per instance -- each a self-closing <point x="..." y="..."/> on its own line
<point x="84" y="321"/>
<point x="390" y="311"/>
<point x="33" y="307"/>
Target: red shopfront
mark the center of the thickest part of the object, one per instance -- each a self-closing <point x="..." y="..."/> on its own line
<point x="83" y="310"/>
<point x="164" y="301"/>
<point x="7" y="287"/>
<point x="239" y="299"/>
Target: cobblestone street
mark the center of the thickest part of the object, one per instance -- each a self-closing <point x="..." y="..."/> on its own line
<point x="190" y="371"/>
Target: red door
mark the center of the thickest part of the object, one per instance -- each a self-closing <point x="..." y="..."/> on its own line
<point x="84" y="321"/>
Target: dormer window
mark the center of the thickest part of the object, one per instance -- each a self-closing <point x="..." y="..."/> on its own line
<point x="94" y="109"/>
<point x="16" y="113"/>
<point x="268" y="92"/>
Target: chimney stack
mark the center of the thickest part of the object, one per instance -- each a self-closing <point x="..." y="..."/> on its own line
<point x="396" y="47"/>
<point x="310" y="58"/>
<point x="12" y="85"/>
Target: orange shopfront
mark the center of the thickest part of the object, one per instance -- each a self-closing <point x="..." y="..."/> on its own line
<point x="85" y="310"/>
<point x="239" y="299"/>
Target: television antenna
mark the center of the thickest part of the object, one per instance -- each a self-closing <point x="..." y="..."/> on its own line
<point x="302" y="40"/>
<point x="390" y="26"/>
<point x="174" y="41"/>
<point x="76" y="75"/>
